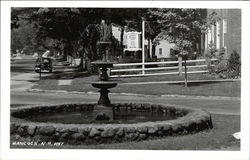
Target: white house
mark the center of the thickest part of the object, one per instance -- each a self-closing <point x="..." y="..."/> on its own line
<point x="162" y="50"/>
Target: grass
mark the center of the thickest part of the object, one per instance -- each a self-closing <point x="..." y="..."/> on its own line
<point x="218" y="138"/>
<point x="229" y="89"/>
<point x="83" y="84"/>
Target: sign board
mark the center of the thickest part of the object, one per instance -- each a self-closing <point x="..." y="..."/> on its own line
<point x="133" y="41"/>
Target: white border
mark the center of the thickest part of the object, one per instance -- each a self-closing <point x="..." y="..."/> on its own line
<point x="63" y="154"/>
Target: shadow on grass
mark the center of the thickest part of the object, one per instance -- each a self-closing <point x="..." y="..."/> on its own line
<point x="18" y="105"/>
<point x="21" y="69"/>
<point x="67" y="75"/>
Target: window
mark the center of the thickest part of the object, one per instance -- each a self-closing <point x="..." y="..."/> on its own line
<point x="218" y="40"/>
<point x="160" y="51"/>
<point x="224" y="26"/>
<point x="224" y="23"/>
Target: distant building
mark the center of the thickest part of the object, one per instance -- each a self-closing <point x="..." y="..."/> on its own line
<point x="163" y="49"/>
<point x="116" y="31"/>
<point x="225" y="33"/>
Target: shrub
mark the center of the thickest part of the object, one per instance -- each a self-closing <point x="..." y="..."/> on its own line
<point x="211" y="50"/>
<point x="227" y="68"/>
<point x="234" y="65"/>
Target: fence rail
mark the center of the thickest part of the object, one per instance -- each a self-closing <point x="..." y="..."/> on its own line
<point x="117" y="71"/>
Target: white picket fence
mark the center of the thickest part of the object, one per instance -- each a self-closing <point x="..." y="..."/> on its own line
<point x="163" y="68"/>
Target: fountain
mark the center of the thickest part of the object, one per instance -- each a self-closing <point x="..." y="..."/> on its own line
<point x="91" y="123"/>
<point x="104" y="110"/>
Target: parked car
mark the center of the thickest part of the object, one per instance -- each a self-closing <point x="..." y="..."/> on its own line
<point x="43" y="64"/>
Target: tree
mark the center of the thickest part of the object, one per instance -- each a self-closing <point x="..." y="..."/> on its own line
<point x="23" y="36"/>
<point x="70" y="26"/>
<point x="181" y="26"/>
<point x="25" y="33"/>
<point x="152" y="28"/>
<point x="61" y="24"/>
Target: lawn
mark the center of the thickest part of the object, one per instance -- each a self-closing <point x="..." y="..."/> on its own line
<point x="83" y="82"/>
<point x="218" y="138"/>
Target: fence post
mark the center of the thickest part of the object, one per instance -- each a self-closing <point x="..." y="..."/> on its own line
<point x="185" y="63"/>
<point x="40" y="71"/>
<point x="180" y="65"/>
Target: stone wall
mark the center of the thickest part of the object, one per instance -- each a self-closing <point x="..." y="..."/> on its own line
<point x="191" y="121"/>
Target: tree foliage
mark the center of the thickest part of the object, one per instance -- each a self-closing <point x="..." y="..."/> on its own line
<point x="23" y="32"/>
<point x="180" y="26"/>
<point x="76" y="28"/>
<point x="74" y="31"/>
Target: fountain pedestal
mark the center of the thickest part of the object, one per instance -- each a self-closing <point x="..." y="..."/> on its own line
<point x="103" y="110"/>
<point x="104" y="86"/>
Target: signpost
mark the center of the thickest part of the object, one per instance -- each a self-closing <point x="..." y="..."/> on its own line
<point x="133" y="41"/>
<point x="134" y="45"/>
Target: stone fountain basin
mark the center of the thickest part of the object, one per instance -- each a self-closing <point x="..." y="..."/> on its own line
<point x="190" y="121"/>
<point x="104" y="84"/>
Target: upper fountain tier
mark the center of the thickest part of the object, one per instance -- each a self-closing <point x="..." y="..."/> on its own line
<point x="105" y="32"/>
<point x="103" y="65"/>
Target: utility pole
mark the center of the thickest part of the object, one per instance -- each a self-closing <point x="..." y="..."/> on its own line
<point x="185" y="63"/>
<point x="143" y="49"/>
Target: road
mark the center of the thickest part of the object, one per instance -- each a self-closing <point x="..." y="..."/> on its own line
<point x="24" y="78"/>
<point x="221" y="106"/>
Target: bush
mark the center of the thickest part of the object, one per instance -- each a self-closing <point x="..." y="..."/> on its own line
<point x="234" y="65"/>
<point x="227" y="68"/>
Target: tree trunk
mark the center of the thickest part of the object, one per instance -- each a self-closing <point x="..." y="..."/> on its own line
<point x="153" y="50"/>
<point x="81" y="68"/>
<point x="88" y="65"/>
<point x="67" y="50"/>
<point x="64" y="56"/>
<point x="148" y="53"/>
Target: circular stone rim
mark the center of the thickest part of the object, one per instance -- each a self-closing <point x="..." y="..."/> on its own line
<point x="194" y="121"/>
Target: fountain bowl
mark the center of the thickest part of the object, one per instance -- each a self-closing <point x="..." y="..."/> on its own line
<point x="104" y="84"/>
